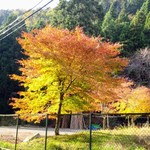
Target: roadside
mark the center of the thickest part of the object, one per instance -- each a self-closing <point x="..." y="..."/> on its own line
<point x="9" y="133"/>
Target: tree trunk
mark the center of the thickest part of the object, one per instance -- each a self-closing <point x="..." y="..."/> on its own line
<point x="128" y="121"/>
<point x="76" y="122"/>
<point x="108" y="122"/>
<point x="58" y="119"/>
<point x="132" y="122"/>
<point x="66" y="121"/>
<point x="104" y="122"/>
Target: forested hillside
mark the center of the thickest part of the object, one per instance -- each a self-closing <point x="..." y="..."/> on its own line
<point x="123" y="21"/>
<point x="3" y="16"/>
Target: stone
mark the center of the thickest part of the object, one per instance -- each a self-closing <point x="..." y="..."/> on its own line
<point x="29" y="138"/>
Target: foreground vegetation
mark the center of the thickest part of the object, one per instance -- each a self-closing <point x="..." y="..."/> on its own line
<point x="120" y="139"/>
<point x="123" y="21"/>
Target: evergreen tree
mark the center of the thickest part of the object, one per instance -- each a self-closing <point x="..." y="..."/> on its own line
<point x="87" y="14"/>
<point x="119" y="4"/>
<point x="123" y="16"/>
<point x="134" y="5"/>
<point x="147" y="22"/>
<point x="10" y="51"/>
<point x="38" y="20"/>
<point x="122" y="29"/>
<point x="3" y="16"/>
<point x="105" y="4"/>
<point x="147" y="30"/>
<point x="146" y="7"/>
<point x="136" y="40"/>
<point x="108" y="25"/>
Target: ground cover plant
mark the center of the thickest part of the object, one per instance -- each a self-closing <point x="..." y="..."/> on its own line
<point x="120" y="139"/>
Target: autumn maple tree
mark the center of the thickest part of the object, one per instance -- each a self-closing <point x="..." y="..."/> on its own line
<point x="136" y="100"/>
<point x="65" y="71"/>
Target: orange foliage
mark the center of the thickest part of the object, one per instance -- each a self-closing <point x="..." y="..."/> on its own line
<point x="73" y="64"/>
<point x="134" y="101"/>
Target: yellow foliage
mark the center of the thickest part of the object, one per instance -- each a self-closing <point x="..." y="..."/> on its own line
<point x="136" y="101"/>
<point x="66" y="71"/>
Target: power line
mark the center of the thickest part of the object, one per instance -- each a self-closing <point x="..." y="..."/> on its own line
<point x="12" y="32"/>
<point x="22" y="21"/>
<point x="19" y="17"/>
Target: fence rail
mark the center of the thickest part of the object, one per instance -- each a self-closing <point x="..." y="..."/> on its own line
<point x="91" y="122"/>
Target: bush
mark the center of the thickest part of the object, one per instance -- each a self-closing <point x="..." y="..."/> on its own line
<point x="139" y="67"/>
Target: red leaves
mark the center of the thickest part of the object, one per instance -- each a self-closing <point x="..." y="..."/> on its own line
<point x="83" y="65"/>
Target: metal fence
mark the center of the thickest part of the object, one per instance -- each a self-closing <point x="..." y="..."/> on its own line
<point x="103" y="131"/>
<point x="121" y="131"/>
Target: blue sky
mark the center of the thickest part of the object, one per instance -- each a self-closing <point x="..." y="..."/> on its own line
<point x="24" y="4"/>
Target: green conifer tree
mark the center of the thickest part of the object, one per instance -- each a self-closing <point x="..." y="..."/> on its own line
<point x="146" y="7"/>
<point x="147" y="31"/>
<point x="108" y="25"/>
<point x="87" y="14"/>
<point x="136" y="40"/>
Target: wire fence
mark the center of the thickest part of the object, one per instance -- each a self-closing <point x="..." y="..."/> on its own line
<point x="99" y="131"/>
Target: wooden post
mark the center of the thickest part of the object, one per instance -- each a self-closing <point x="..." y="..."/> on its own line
<point x="128" y="121"/>
<point x="107" y="121"/>
<point x="104" y="122"/>
<point x="148" y="121"/>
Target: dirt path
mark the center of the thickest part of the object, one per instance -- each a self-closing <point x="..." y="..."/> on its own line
<point x="9" y="133"/>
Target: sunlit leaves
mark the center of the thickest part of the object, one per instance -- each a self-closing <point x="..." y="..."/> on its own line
<point x="68" y="68"/>
<point x="136" y="101"/>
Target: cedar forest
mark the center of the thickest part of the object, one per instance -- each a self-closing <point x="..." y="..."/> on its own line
<point x="76" y="56"/>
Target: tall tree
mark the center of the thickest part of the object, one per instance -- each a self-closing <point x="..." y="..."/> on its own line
<point x="87" y="14"/>
<point x="66" y="71"/>
<point x="137" y="36"/>
<point x="105" y="5"/>
<point x="122" y="30"/>
<point x="146" y="7"/>
<point x="127" y="27"/>
<point x="119" y="4"/>
<point x="147" y="31"/>
<point x="108" y="25"/>
<point x="38" y="20"/>
<point x="4" y="14"/>
<point x="134" y="5"/>
<point x="10" y="50"/>
<point x="122" y="25"/>
<point x="136" y="40"/>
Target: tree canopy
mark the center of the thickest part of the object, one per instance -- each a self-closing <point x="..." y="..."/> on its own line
<point x="123" y="21"/>
<point x="66" y="71"/>
<point x="87" y="14"/>
<point x="136" y="101"/>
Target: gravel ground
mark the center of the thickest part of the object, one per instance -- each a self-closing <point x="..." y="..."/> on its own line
<point x="9" y="133"/>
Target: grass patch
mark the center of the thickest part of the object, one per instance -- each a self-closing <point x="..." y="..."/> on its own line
<point x="4" y="144"/>
<point x="118" y="139"/>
